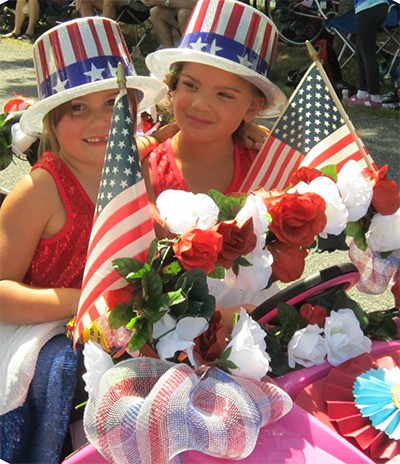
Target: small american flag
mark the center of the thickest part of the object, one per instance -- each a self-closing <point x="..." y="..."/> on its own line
<point x="122" y="225"/>
<point x="310" y="132"/>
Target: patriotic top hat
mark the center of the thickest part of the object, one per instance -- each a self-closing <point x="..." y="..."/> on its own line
<point x="228" y="35"/>
<point x="79" y="57"/>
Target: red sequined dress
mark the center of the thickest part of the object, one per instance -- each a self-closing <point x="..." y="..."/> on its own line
<point x="59" y="261"/>
<point x="166" y="174"/>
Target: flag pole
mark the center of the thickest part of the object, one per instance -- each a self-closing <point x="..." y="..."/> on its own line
<point x="121" y="77"/>
<point x="314" y="56"/>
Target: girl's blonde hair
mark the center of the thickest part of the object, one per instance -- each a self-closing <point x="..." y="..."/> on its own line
<point x="48" y="140"/>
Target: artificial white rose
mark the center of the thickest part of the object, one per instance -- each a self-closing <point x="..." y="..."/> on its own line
<point x="255" y="208"/>
<point x="181" y="338"/>
<point x="344" y="338"/>
<point x="354" y="189"/>
<point x="248" y="348"/>
<point x="163" y="326"/>
<point x="251" y="278"/>
<point x="307" y="347"/>
<point x="336" y="211"/>
<point x="183" y="211"/>
<point x="384" y="232"/>
<point x="97" y="362"/>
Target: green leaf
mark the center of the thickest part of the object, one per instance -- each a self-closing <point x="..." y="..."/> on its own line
<point x="330" y="170"/>
<point x="153" y="248"/>
<point x="217" y="273"/>
<point x="120" y="316"/>
<point x="137" y="340"/>
<point x="152" y="283"/>
<point x="173" y="268"/>
<point x="355" y="230"/>
<point x="127" y="266"/>
<point x="228" y="206"/>
<point x="242" y="261"/>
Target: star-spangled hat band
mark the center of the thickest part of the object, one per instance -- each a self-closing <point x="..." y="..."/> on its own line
<point x="231" y="36"/>
<point x="79" y="57"/>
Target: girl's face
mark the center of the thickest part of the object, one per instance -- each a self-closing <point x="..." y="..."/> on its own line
<point x="209" y="103"/>
<point x="82" y="131"/>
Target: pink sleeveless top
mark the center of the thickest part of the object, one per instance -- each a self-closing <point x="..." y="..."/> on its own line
<point x="59" y="260"/>
<point x="166" y="174"/>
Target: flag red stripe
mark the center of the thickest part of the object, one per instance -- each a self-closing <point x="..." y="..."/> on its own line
<point x="133" y="206"/>
<point x="131" y="235"/>
<point x="324" y="156"/>
<point x="274" y="154"/>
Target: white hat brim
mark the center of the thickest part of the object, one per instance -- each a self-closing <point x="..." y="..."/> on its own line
<point x="153" y="91"/>
<point x="159" y="63"/>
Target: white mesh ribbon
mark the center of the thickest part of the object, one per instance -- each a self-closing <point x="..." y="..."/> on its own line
<point x="149" y="411"/>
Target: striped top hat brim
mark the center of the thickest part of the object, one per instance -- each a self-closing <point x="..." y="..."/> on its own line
<point x="79" y="57"/>
<point x="231" y="36"/>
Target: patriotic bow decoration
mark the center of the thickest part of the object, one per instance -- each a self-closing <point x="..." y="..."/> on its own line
<point x="149" y="411"/>
<point x="122" y="226"/>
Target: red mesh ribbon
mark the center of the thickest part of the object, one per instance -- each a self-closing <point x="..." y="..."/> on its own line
<point x="149" y="411"/>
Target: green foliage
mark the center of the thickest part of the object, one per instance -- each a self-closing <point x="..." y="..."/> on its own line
<point x="228" y="206"/>
<point x="6" y="155"/>
<point x="160" y="285"/>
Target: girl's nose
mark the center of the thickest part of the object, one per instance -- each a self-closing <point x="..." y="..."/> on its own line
<point x="101" y="116"/>
<point x="202" y="103"/>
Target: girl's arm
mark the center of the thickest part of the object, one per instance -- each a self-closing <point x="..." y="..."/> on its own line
<point x="29" y="212"/>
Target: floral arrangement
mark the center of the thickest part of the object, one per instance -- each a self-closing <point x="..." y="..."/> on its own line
<point x="328" y="327"/>
<point x="12" y="141"/>
<point x="248" y="241"/>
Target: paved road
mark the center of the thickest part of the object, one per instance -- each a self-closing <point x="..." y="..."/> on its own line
<point x="380" y="135"/>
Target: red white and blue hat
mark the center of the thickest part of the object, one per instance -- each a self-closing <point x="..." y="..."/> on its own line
<point x="228" y="35"/>
<point x="79" y="57"/>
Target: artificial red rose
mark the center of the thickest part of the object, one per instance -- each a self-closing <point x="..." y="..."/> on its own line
<point x="314" y="314"/>
<point x="386" y="197"/>
<point x="121" y="295"/>
<point x="289" y="261"/>
<point x="270" y="197"/>
<point x="373" y="175"/>
<point x="304" y="174"/>
<point x="237" y="241"/>
<point x="298" y="217"/>
<point x="211" y="343"/>
<point x="199" y="249"/>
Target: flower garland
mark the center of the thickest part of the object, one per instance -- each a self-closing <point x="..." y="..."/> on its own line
<point x="248" y="241"/>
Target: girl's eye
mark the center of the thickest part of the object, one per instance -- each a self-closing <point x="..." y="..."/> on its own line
<point x="110" y="102"/>
<point x="76" y="107"/>
<point x="226" y="95"/>
<point x="189" y="84"/>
